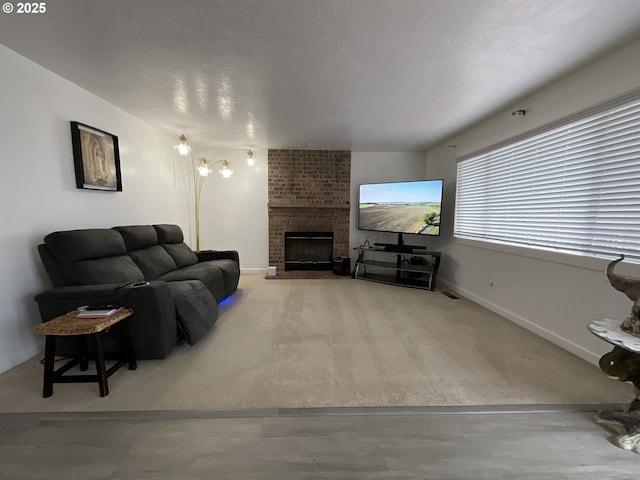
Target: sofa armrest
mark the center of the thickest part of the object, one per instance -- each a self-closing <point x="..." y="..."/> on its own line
<point x="206" y="255"/>
<point x="152" y="326"/>
<point x="61" y="300"/>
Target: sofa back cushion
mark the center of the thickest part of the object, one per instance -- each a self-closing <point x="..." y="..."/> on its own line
<point x="52" y="267"/>
<point x="137" y="236"/>
<point x="153" y="261"/>
<point x="181" y="254"/>
<point x="92" y="256"/>
<point x="118" y="269"/>
<point x="141" y="242"/>
<point x="169" y="233"/>
<point x="172" y="240"/>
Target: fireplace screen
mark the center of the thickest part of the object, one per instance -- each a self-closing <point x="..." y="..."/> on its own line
<point x="308" y="250"/>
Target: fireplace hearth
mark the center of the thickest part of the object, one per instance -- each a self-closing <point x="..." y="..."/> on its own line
<point x="308" y="250"/>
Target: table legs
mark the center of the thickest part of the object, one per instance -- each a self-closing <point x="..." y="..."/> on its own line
<point x="49" y="359"/>
<point x="84" y="354"/>
<point x="51" y="375"/>
<point x="126" y="345"/>
<point x="101" y="371"/>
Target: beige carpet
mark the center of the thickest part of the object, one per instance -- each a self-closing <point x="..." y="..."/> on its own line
<point x="318" y="343"/>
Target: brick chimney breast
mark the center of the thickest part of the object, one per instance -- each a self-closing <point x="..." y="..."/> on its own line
<point x="308" y="191"/>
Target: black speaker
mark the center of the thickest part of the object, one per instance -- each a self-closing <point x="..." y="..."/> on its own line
<point x="341" y="265"/>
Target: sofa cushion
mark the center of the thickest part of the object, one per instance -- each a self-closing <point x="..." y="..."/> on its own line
<point x="117" y="269"/>
<point x="92" y="256"/>
<point x="211" y="276"/>
<point x="169" y="233"/>
<point x="53" y="268"/>
<point x="153" y="261"/>
<point x="138" y="236"/>
<point x="171" y="238"/>
<point x="181" y="254"/>
<point x="230" y="273"/>
<point x="196" y="309"/>
<point x="90" y="244"/>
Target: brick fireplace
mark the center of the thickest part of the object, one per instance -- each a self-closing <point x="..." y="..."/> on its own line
<point x="308" y="191"/>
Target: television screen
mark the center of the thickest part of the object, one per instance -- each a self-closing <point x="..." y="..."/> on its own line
<point x="401" y="207"/>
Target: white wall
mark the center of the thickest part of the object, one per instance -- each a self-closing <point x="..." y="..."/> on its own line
<point x="551" y="294"/>
<point x="233" y="211"/>
<point x="38" y="193"/>
<point x="372" y="167"/>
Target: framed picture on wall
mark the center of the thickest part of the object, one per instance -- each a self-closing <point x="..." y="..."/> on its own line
<point x="96" y="158"/>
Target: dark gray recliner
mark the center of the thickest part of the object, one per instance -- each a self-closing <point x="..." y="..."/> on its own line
<point x="148" y="268"/>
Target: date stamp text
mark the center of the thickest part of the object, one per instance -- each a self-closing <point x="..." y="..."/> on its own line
<point x="24" y="8"/>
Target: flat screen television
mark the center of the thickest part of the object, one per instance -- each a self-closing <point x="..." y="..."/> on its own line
<point x="401" y="207"/>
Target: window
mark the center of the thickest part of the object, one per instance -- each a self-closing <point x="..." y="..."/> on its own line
<point x="573" y="186"/>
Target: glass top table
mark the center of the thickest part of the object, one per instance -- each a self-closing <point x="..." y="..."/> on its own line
<point x="609" y="330"/>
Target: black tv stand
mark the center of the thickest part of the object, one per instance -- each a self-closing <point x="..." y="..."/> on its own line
<point x="394" y="247"/>
<point x="403" y="271"/>
<point x="399" y="247"/>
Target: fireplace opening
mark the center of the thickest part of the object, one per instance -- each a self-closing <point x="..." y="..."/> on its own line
<point x="308" y="250"/>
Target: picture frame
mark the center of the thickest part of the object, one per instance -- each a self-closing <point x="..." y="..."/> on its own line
<point x="96" y="158"/>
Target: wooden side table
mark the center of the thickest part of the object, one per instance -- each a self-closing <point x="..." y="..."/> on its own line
<point x="70" y="325"/>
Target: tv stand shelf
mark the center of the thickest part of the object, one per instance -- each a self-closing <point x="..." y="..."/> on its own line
<point x="417" y="268"/>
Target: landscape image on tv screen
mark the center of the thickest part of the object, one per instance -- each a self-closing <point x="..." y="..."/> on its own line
<point x="403" y="207"/>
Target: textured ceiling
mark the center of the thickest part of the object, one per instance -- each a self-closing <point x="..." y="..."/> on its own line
<point x="368" y="75"/>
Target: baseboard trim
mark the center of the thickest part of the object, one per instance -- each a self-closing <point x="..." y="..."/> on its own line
<point x="554" y="338"/>
<point x="130" y="415"/>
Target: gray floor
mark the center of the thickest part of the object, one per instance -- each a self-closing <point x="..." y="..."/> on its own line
<point x="391" y="443"/>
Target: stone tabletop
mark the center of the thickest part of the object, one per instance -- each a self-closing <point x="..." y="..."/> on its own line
<point x="70" y="324"/>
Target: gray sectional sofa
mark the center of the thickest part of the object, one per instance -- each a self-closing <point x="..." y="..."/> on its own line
<point x="173" y="290"/>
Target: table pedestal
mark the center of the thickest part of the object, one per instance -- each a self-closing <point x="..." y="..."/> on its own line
<point x="623" y="364"/>
<point x="625" y="367"/>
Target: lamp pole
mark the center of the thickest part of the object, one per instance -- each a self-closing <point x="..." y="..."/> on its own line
<point x="198" y="181"/>
<point x="201" y="170"/>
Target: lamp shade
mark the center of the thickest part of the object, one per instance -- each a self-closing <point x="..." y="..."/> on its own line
<point x="251" y="158"/>
<point x="226" y="171"/>
<point x="203" y="168"/>
<point x="183" y="146"/>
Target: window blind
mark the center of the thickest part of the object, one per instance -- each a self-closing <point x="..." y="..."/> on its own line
<point x="573" y="187"/>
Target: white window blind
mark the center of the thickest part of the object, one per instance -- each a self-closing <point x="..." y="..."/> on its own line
<point x="573" y="187"/>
